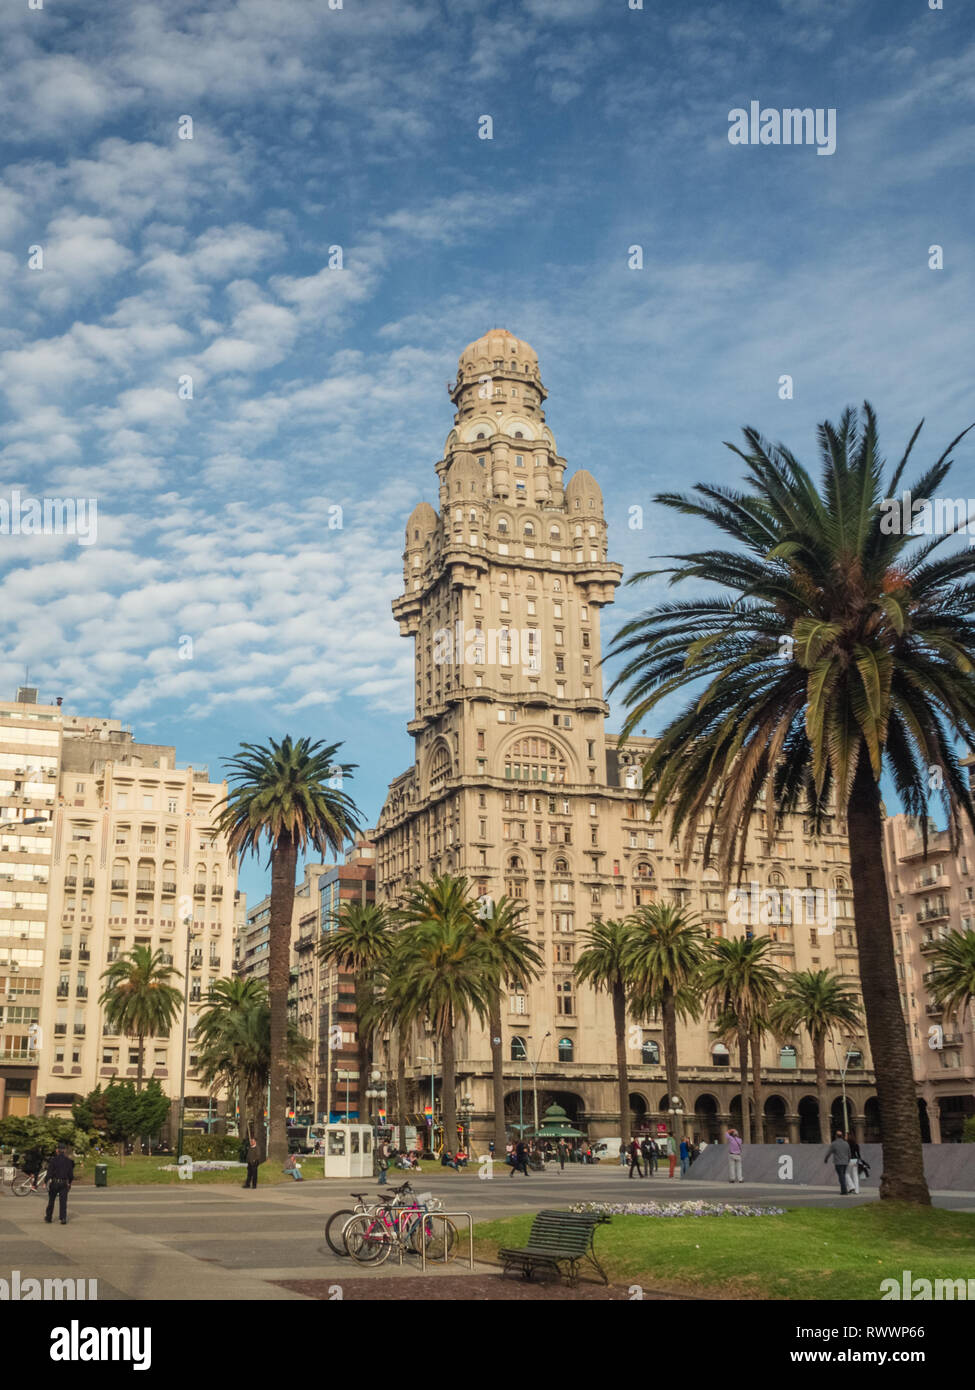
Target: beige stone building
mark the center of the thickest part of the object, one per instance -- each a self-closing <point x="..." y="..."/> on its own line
<point x="930" y="895"/>
<point x="108" y="845"/>
<point x="517" y="785"/>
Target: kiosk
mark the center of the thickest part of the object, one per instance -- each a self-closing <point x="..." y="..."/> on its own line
<point x="348" y="1151"/>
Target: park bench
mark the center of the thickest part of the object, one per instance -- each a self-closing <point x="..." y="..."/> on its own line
<point x="557" y="1238"/>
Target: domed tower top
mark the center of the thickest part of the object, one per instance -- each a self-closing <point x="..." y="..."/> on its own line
<point x="490" y="365"/>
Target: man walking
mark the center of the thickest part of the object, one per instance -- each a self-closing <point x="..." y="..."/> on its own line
<point x="253" y="1159"/>
<point x="562" y="1152"/>
<point x="60" y="1176"/>
<point x="646" y="1149"/>
<point x="634" y="1152"/>
<point x="839" y="1152"/>
<point x="734" y="1156"/>
<point x="520" y="1163"/>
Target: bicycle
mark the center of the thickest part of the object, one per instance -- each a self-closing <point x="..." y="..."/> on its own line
<point x="370" y="1238"/>
<point x="24" y="1183"/>
<point x="335" y="1225"/>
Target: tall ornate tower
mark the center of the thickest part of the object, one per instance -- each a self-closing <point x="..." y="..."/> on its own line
<point x="516" y="785"/>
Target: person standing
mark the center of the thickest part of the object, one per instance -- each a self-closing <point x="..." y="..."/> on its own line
<point x="646" y="1149"/>
<point x="634" y="1152"/>
<point x="60" y="1176"/>
<point x="671" y="1153"/>
<point x="839" y="1152"/>
<point x="734" y="1156"/>
<point x="685" y="1156"/>
<point x="253" y="1160"/>
<point x="853" y="1171"/>
<point x="383" y="1163"/>
<point x="562" y="1155"/>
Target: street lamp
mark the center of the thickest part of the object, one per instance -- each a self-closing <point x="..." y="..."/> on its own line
<point x="538" y="1057"/>
<point x="188" y="924"/>
<point x="377" y="1093"/>
<point x="466" y="1115"/>
<point x="432" y="1061"/>
<point x="842" y="1070"/>
<point x="677" y="1108"/>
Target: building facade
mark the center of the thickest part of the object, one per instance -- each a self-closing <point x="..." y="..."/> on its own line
<point x="932" y="893"/>
<point x="517" y="786"/>
<point x="339" y="1089"/>
<point x="131" y="859"/>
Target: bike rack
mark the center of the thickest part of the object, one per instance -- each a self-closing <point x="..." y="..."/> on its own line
<point x="451" y="1215"/>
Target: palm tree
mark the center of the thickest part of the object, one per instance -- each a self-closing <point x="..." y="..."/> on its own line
<point x="286" y="794"/>
<point x="359" y="947"/>
<point x="138" y="998"/>
<point x="445" y="973"/>
<point x="951" y="978"/>
<point x="383" y="1010"/>
<point x="663" y="961"/>
<point x="843" y="646"/>
<point x="235" y="1052"/>
<point x="222" y="1030"/>
<point x="818" y="1001"/>
<point x="742" y="985"/>
<point x="603" y="964"/>
<point x="512" y="956"/>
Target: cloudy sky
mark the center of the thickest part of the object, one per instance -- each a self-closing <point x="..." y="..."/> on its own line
<point x="165" y="258"/>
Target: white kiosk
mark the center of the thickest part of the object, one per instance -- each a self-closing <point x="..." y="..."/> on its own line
<point x="348" y="1151"/>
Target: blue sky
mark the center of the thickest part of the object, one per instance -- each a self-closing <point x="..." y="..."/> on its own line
<point x="315" y="387"/>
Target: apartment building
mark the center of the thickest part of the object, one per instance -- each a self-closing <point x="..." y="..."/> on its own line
<point x="105" y="845"/>
<point x="337" y="1081"/>
<point x="931" y="893"/>
<point x="517" y="785"/>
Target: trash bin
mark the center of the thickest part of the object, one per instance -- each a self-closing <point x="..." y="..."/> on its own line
<point x="101" y="1174"/>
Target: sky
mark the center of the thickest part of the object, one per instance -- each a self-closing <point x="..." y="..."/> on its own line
<point x="216" y="603"/>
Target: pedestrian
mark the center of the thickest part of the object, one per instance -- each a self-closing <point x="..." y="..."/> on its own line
<point x="839" y="1152"/>
<point x="853" y="1171"/>
<point x="634" y="1154"/>
<point x="253" y="1159"/>
<point x="292" y="1168"/>
<point x="382" y="1162"/>
<point x="734" y="1156"/>
<point x="60" y="1176"/>
<point x="520" y="1159"/>
<point x="646" y="1151"/>
<point x="671" y="1153"/>
<point x="685" y="1157"/>
<point x="31" y="1164"/>
<point x="561" y="1152"/>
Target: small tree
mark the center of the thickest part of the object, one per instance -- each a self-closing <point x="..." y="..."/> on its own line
<point x="123" y="1114"/>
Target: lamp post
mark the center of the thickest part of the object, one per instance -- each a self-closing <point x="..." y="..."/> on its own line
<point x="842" y="1069"/>
<point x="538" y="1057"/>
<point x="377" y="1093"/>
<point x="677" y="1109"/>
<point x="188" y="924"/>
<point x="432" y="1061"/>
<point x="466" y="1115"/>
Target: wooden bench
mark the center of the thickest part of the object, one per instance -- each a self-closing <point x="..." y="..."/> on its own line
<point x="557" y="1238"/>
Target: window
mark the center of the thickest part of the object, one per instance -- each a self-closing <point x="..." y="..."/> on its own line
<point x="566" y="1050"/>
<point x="519" y="1052"/>
<point x="788" y="1058"/>
<point x="650" y="1053"/>
<point x="720" y="1056"/>
<point x="563" y="998"/>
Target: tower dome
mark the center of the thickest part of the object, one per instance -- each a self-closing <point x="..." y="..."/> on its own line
<point x="498" y="347"/>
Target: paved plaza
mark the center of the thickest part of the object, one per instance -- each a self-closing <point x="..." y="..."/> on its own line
<point x="219" y="1242"/>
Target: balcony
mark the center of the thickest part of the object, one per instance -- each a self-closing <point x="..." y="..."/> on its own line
<point x="166" y="958"/>
<point x="169" y="889"/>
<point x="929" y="944"/>
<point x="64" y="953"/>
<point x="71" y="880"/>
<point x="934" y="1010"/>
<point x="87" y="883"/>
<point x="120" y="885"/>
<point x="84" y="953"/>
<point x="196" y="960"/>
<point x="60" y="1029"/>
<point x="145" y="886"/>
<point x="217" y="890"/>
<point x="940" y="912"/>
<point x="79" y="1030"/>
<point x="952" y="1040"/>
<point x="113" y="955"/>
<point x="199" y="890"/>
<point x="62" y="991"/>
<point x="81" y="992"/>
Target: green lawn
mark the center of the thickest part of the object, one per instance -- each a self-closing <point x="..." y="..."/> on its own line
<point x="818" y="1253"/>
<point x="139" y="1169"/>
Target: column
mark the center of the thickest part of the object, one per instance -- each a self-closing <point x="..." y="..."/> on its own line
<point x="793" y="1122"/>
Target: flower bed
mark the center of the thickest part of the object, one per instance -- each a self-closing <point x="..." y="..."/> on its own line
<point x="675" y="1209"/>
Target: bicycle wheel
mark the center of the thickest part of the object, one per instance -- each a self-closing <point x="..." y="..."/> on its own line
<point x="439" y="1236"/>
<point x="368" y="1241"/>
<point x="333" y="1231"/>
<point x="21" y="1185"/>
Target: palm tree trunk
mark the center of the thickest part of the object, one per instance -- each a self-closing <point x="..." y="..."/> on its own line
<point x="668" y="1016"/>
<point x="283" y="860"/>
<point x="819" y="1062"/>
<point x="758" y="1127"/>
<point x="363" y="1049"/>
<point x="401" y="1110"/>
<point x="743" y="1081"/>
<point x="449" y="1102"/>
<point x="622" y="1071"/>
<point x="497" y="1076"/>
<point x="140" y="1072"/>
<point x="903" y="1176"/>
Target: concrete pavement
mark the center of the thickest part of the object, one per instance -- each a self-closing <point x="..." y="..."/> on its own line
<point x="215" y="1242"/>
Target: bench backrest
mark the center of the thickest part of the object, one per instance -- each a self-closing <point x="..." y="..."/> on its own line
<point x="562" y="1230"/>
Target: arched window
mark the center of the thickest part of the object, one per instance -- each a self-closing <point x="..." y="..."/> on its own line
<point x="519" y="1052"/>
<point x="788" y="1058"/>
<point x="529" y="529"/>
<point x="561" y="866"/>
<point x="556" y="586"/>
<point x="644" y="870"/>
<point x="515" y="864"/>
<point x="776" y="880"/>
<point x="440" y="767"/>
<point x="535" y="760"/>
<point x="650" y="1052"/>
<point x="720" y="1056"/>
<point x="566" y="1050"/>
<point x="554" y="533"/>
<point x="502" y="526"/>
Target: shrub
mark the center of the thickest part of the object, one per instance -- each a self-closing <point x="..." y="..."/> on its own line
<point x="968" y="1133"/>
<point x="219" y="1146"/>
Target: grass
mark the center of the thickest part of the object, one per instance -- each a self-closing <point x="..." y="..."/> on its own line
<point x="141" y="1169"/>
<point x="817" y="1253"/>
